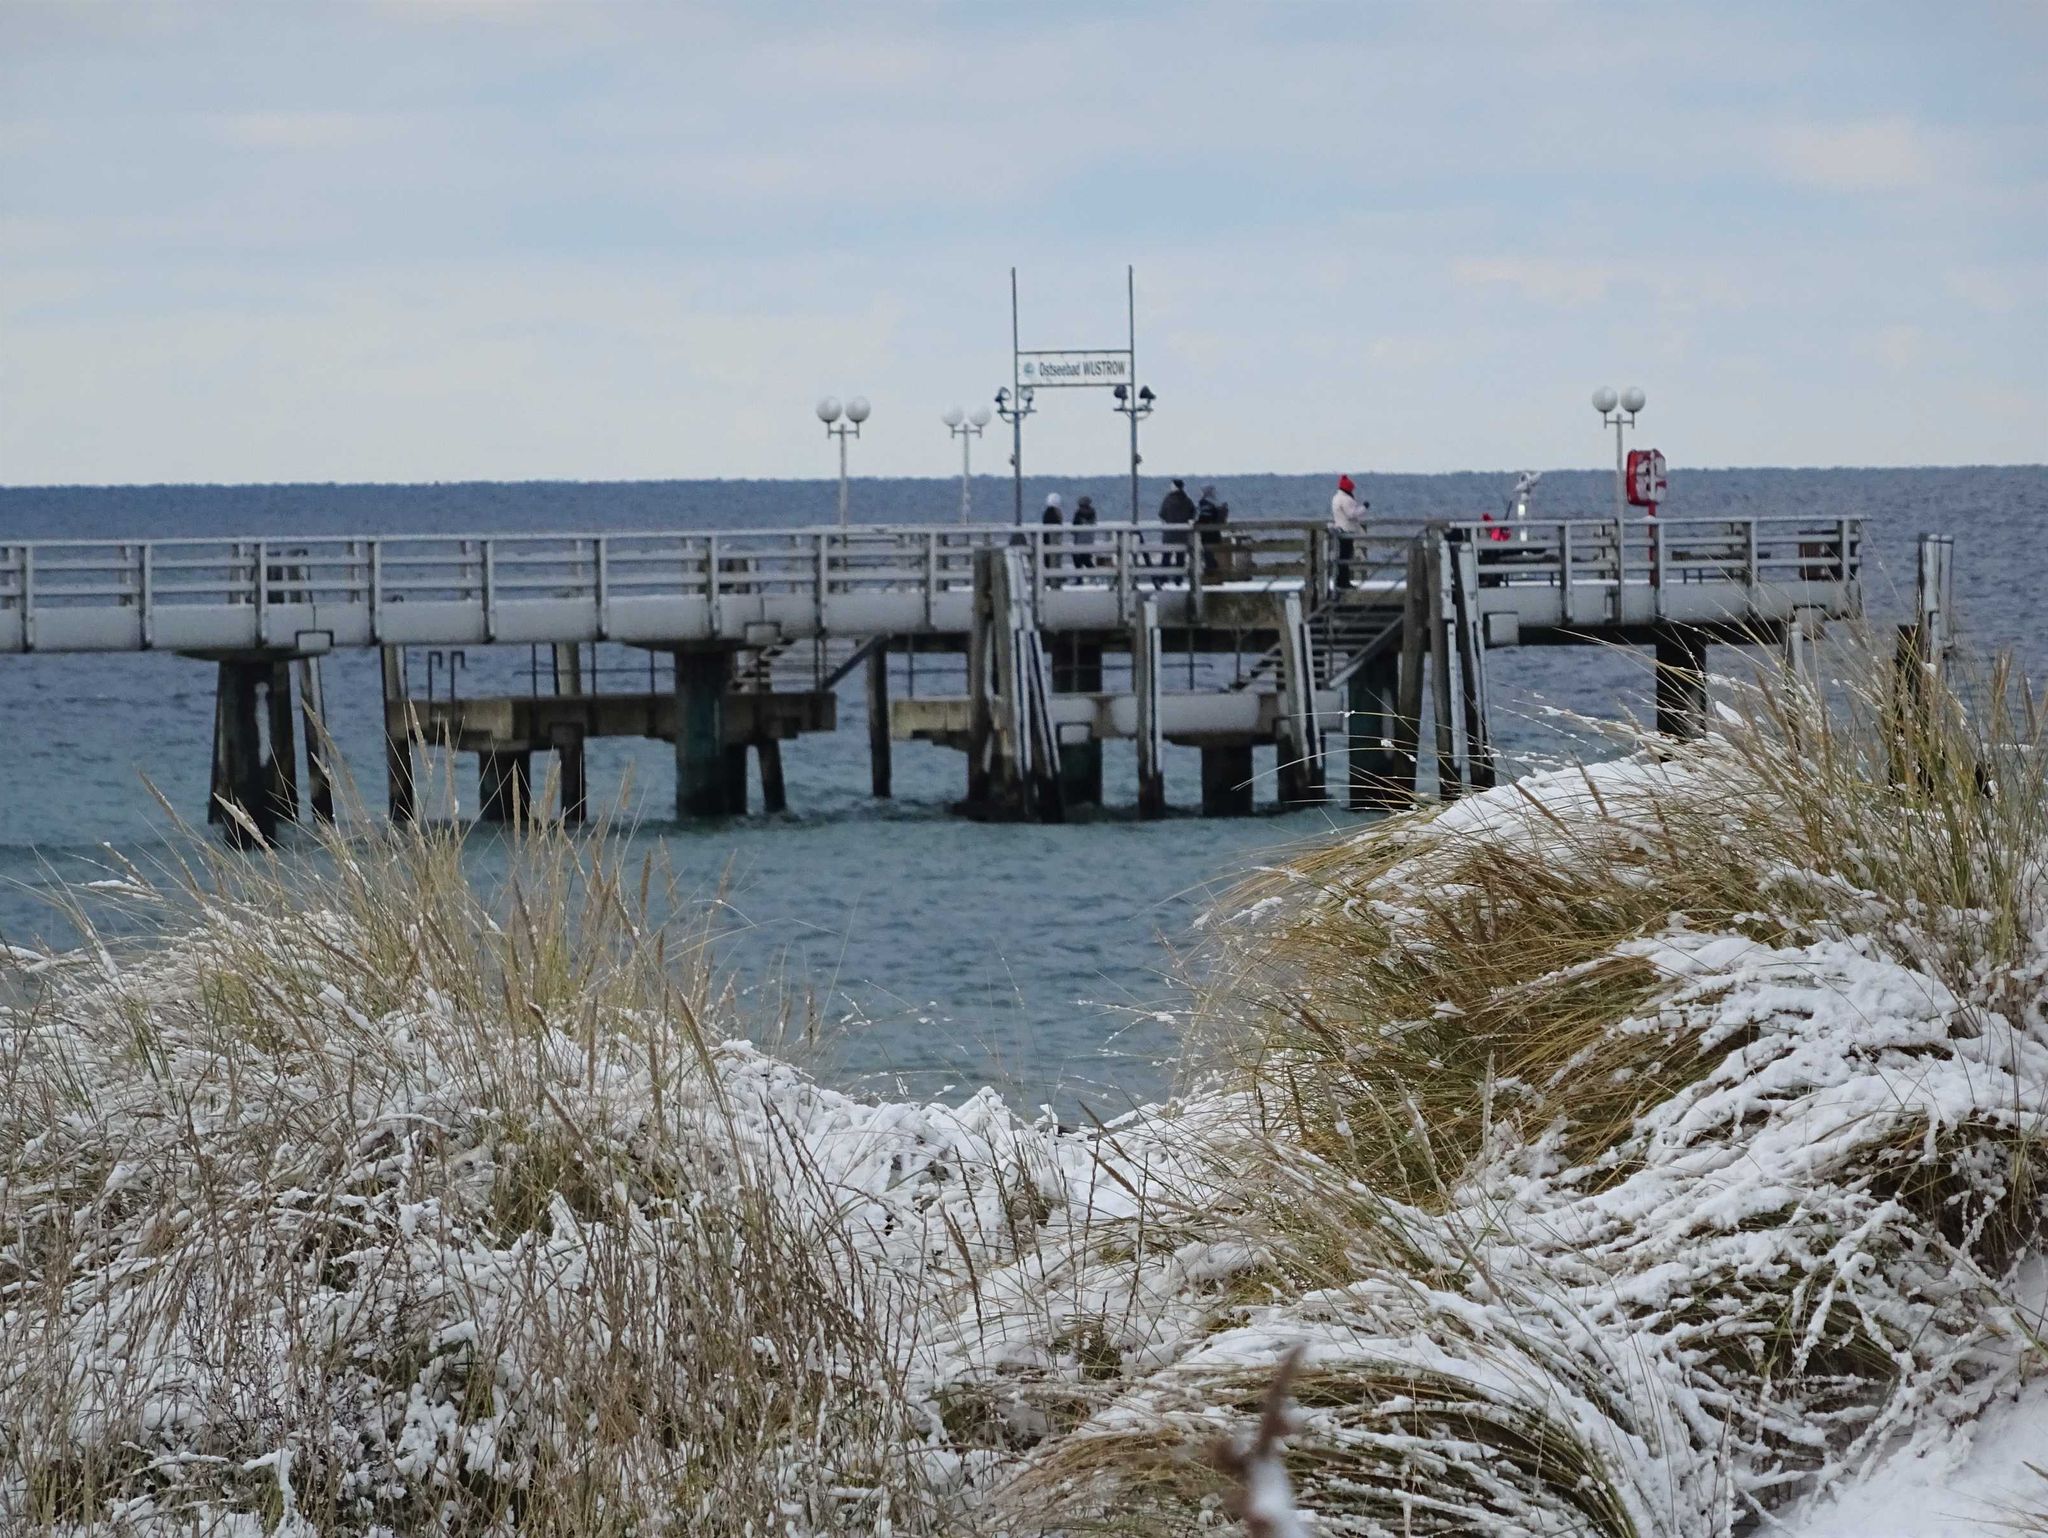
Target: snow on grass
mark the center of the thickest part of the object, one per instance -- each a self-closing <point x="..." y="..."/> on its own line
<point x="1633" y="1151"/>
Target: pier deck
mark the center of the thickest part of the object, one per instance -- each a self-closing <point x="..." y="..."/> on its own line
<point x="1318" y="638"/>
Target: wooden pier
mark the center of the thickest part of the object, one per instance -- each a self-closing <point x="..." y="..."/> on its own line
<point x="1034" y="647"/>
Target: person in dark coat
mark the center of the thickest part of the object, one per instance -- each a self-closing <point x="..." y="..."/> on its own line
<point x="1210" y="516"/>
<point x="1177" y="512"/>
<point x="1084" y="533"/>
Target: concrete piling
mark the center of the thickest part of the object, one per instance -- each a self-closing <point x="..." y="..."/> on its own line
<point x="400" y="791"/>
<point x="1227" y="780"/>
<point x="1372" y="714"/>
<point x="880" y="765"/>
<point x="504" y="786"/>
<point x="703" y="769"/>
<point x="1681" y="688"/>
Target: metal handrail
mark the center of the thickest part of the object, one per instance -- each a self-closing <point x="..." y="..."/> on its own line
<point x="291" y="582"/>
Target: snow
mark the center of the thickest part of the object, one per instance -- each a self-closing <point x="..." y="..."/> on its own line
<point x="1980" y="1479"/>
<point x="1670" y="1307"/>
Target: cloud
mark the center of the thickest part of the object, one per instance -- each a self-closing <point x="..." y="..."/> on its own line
<point x="301" y="130"/>
<point x="1565" y="284"/>
<point x="1870" y="155"/>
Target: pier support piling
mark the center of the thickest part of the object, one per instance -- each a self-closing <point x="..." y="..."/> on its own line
<point x="281" y="767"/>
<point x="504" y="786"/>
<point x="239" y="781"/>
<point x="1372" y="716"/>
<point x="1080" y="762"/>
<point x="880" y="764"/>
<point x="319" y="746"/>
<point x="703" y="768"/>
<point x="1415" y="646"/>
<point x="572" y="784"/>
<point x="1227" y="780"/>
<point x="774" y="793"/>
<point x="1681" y="682"/>
<point x="398" y="734"/>
<point x="1145" y="684"/>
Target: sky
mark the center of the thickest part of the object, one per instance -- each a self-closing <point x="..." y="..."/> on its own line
<point x="412" y="240"/>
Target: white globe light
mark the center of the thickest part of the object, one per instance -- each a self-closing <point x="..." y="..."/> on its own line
<point x="1632" y="399"/>
<point x="980" y="416"/>
<point x="1603" y="400"/>
<point x="952" y="416"/>
<point x="828" y="409"/>
<point x="857" y="409"/>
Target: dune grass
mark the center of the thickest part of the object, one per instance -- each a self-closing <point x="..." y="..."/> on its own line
<point x="1630" y="1151"/>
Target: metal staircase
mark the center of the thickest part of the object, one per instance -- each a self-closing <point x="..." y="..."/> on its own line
<point x="1346" y="632"/>
<point x="800" y="666"/>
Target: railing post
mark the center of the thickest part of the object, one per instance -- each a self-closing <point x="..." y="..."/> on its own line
<point x="819" y="596"/>
<point x="490" y="588"/>
<point x="604" y="596"/>
<point x="1126" y="579"/>
<point x="711" y="583"/>
<point x="1564" y="569"/>
<point x="1656" y="567"/>
<point x="931" y="579"/>
<point x="262" y="595"/>
<point x="28" y="598"/>
<point x="1038" y="569"/>
<point x="1842" y="551"/>
<point x="146" y="596"/>
<point x="377" y="590"/>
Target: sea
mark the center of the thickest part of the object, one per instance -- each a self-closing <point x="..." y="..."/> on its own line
<point x="933" y="955"/>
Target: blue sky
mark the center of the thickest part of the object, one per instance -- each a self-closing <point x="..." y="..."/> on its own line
<point x="453" y="239"/>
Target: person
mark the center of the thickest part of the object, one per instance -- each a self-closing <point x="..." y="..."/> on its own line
<point x="1210" y="516"/>
<point x="1052" y="518"/>
<point x="1347" y="519"/>
<point x="1084" y="533"/>
<point x="1176" y="511"/>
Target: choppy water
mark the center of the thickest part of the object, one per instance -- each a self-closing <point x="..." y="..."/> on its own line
<point x="950" y="952"/>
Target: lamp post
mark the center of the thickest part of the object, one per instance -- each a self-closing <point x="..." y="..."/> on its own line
<point x="856" y="411"/>
<point x="1014" y="409"/>
<point x="966" y="428"/>
<point x="1137" y="409"/>
<point x="1616" y="410"/>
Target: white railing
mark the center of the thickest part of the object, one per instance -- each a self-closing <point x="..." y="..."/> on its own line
<point x="308" y="593"/>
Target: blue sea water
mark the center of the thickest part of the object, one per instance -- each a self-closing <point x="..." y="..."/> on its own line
<point x="941" y="952"/>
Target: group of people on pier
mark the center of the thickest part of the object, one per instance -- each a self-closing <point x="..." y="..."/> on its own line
<point x="1191" y="522"/>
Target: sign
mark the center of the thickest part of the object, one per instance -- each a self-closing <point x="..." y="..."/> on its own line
<point x="1645" y="478"/>
<point x="1074" y="368"/>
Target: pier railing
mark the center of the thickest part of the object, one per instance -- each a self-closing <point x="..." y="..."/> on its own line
<point x="310" y="594"/>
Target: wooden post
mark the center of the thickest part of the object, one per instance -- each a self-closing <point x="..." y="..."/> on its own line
<point x="1443" y="669"/>
<point x="1681" y="689"/>
<point x="398" y="734"/>
<point x="879" y="765"/>
<point x="703" y="772"/>
<point x="1802" y="630"/>
<point x="1227" y="780"/>
<point x="281" y="768"/>
<point x="319" y="746"/>
<point x="568" y="661"/>
<point x="1145" y="683"/>
<point x="1415" y="630"/>
<point x="1297" y="736"/>
<point x="980" y="667"/>
<point x="1480" y="767"/>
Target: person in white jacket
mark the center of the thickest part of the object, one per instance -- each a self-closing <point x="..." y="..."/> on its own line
<point x="1347" y="520"/>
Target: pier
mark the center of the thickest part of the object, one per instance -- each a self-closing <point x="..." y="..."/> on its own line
<point x="1024" y="649"/>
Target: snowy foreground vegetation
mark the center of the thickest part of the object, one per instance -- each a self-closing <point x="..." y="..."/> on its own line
<point x="1631" y="1151"/>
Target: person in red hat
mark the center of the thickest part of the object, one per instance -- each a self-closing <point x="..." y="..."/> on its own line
<point x="1347" y="521"/>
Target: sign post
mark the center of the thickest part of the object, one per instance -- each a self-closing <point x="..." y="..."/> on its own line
<point x="1074" y="368"/>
